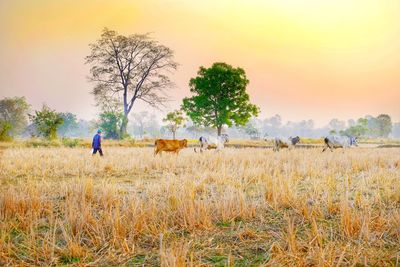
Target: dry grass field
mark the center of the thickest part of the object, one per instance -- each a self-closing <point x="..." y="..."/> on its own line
<point x="238" y="207"/>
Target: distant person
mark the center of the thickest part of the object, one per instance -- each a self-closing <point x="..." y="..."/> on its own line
<point x="96" y="144"/>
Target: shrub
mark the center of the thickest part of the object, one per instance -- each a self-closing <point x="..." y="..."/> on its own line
<point x="47" y="121"/>
<point x="34" y="142"/>
<point x="71" y="142"/>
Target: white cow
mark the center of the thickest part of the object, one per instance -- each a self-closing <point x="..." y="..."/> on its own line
<point x="283" y="142"/>
<point x="336" y="141"/>
<point x="208" y="143"/>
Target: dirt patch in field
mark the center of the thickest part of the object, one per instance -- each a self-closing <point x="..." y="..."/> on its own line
<point x="388" y="146"/>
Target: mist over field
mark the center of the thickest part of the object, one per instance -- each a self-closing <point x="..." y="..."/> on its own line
<point x="148" y="125"/>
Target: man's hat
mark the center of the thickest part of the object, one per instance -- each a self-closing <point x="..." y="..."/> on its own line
<point x="99" y="131"/>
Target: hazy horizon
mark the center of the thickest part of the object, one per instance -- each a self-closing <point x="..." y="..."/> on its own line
<point x="304" y="59"/>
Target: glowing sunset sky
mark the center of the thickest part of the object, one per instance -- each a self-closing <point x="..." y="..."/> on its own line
<point x="305" y="59"/>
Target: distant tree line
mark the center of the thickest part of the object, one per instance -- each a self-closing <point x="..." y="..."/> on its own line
<point x="368" y="127"/>
<point x="18" y="119"/>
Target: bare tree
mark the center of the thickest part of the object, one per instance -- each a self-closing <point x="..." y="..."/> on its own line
<point x="130" y="68"/>
<point x="140" y="120"/>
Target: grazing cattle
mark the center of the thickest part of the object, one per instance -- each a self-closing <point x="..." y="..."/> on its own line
<point x="169" y="145"/>
<point x="208" y="143"/>
<point x="282" y="143"/>
<point x="336" y="141"/>
<point x="269" y="139"/>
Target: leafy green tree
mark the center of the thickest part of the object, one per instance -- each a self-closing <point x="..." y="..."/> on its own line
<point x="360" y="129"/>
<point x="380" y="126"/>
<point x="219" y="97"/>
<point x="70" y="123"/>
<point x="363" y="122"/>
<point x="47" y="122"/>
<point x="13" y="116"/>
<point x="175" y="119"/>
<point x="384" y="123"/>
<point x="125" y="69"/>
<point x="111" y="122"/>
<point x="373" y="126"/>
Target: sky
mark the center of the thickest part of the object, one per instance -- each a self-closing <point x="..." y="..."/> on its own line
<point x="306" y="59"/>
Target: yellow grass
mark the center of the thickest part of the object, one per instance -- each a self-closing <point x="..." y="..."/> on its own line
<point x="238" y="207"/>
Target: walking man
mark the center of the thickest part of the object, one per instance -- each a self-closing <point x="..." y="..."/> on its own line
<point x="96" y="144"/>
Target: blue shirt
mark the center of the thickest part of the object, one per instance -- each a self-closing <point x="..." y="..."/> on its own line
<point x="96" y="141"/>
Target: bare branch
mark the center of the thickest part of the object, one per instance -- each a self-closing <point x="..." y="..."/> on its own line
<point x="135" y="65"/>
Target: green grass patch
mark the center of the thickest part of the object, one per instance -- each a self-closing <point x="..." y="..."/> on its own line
<point x="64" y="259"/>
<point x="217" y="260"/>
<point x="253" y="260"/>
<point x="137" y="260"/>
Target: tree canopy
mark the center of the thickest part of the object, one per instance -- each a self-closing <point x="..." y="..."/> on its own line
<point x="219" y="97"/>
<point x="111" y="122"/>
<point x="47" y="121"/>
<point x="384" y="125"/>
<point x="13" y="116"/>
<point x="175" y="119"/>
<point x="70" y="123"/>
<point x="380" y="126"/>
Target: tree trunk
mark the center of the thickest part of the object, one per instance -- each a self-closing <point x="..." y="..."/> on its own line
<point x="124" y="124"/>
<point x="173" y="135"/>
<point x="123" y="128"/>
<point x="219" y="129"/>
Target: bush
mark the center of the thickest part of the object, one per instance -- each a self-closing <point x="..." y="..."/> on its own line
<point x="34" y="142"/>
<point x="67" y="142"/>
<point x="71" y="142"/>
<point x="131" y="141"/>
<point x="47" y="121"/>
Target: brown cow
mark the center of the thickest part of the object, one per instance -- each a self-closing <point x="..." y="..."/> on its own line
<point x="169" y="145"/>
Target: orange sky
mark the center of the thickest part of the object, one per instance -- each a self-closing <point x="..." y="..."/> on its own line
<point x="305" y="59"/>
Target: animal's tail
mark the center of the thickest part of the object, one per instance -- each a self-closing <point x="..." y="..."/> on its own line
<point x="326" y="140"/>
<point x="155" y="147"/>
